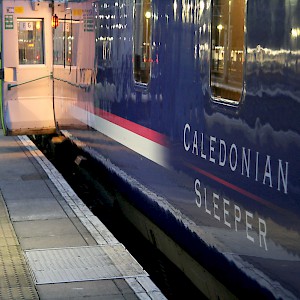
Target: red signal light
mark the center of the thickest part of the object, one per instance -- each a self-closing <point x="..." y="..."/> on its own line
<point x="54" y="21"/>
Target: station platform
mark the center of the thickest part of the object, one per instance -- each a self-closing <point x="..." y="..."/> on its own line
<point x="51" y="245"/>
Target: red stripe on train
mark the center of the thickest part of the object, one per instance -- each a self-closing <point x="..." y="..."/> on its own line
<point x="145" y="132"/>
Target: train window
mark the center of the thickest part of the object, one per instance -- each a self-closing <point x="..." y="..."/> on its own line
<point x="142" y="41"/>
<point x="227" y="49"/>
<point x="30" y="41"/>
<point x="65" y="41"/>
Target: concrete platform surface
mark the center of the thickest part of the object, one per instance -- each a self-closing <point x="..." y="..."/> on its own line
<point x="51" y="245"/>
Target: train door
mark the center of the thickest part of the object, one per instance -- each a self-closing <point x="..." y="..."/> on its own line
<point x="27" y="62"/>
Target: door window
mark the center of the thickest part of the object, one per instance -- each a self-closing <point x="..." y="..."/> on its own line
<point x="30" y="41"/>
<point x="65" y="42"/>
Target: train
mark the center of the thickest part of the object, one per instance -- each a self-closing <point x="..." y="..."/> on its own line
<point x="192" y="108"/>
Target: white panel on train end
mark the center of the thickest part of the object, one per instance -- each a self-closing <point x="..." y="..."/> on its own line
<point x="27" y="62"/>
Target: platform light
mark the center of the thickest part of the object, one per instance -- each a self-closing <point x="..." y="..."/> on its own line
<point x="295" y="32"/>
<point x="148" y="15"/>
<point x="220" y="27"/>
<point x="55" y="21"/>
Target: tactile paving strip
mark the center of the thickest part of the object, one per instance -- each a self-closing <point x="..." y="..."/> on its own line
<point x="82" y="264"/>
<point x="15" y="280"/>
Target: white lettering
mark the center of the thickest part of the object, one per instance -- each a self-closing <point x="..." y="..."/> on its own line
<point x="195" y="143"/>
<point x="216" y="206"/>
<point x="246" y="162"/>
<point x="243" y="220"/>
<point x="282" y="176"/>
<point x="262" y="229"/>
<point x="212" y="149"/>
<point x="237" y="216"/>
<point x="226" y="212"/>
<point x="233" y="161"/>
<point x="256" y="166"/>
<point x="268" y="172"/>
<point x="185" y="144"/>
<point x="203" y="155"/>
<point x="249" y="226"/>
<point x="216" y="151"/>
<point x="206" y="209"/>
<point x="198" y="198"/>
<point x="222" y="161"/>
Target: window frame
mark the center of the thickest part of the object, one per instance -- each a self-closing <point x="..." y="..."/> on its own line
<point x="147" y="31"/>
<point x="68" y="55"/>
<point x="218" y="99"/>
<point x="42" y="43"/>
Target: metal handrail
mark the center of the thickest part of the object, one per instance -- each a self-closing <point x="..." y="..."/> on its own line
<point x="10" y="86"/>
<point x="84" y="87"/>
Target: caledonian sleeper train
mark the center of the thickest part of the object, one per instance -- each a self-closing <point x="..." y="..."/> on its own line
<point x="193" y="109"/>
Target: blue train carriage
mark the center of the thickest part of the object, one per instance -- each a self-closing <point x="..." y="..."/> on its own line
<point x="210" y="91"/>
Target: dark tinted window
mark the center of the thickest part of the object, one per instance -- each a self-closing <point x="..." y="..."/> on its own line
<point x="227" y="49"/>
<point x="142" y="41"/>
